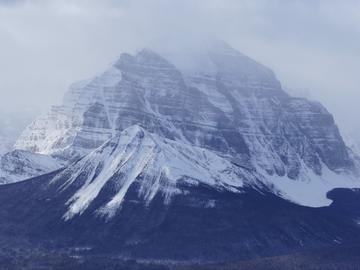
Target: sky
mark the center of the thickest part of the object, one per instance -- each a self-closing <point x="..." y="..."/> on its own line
<point x="312" y="45"/>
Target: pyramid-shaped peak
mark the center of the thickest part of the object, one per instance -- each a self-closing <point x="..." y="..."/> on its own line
<point x="151" y="162"/>
<point x="145" y="57"/>
<point x="148" y="56"/>
<point x="147" y="52"/>
<point x="134" y="130"/>
<point x="124" y="137"/>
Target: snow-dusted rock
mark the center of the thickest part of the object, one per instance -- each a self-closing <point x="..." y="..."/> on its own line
<point x="235" y="107"/>
<point x="136" y="161"/>
<point x="172" y="161"/>
<point x="155" y="165"/>
<point x="19" y="165"/>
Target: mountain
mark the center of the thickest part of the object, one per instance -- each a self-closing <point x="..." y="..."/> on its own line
<point x="142" y="196"/>
<point x="154" y="164"/>
<point x="172" y="159"/>
<point x="234" y="107"/>
<point x="19" y="165"/>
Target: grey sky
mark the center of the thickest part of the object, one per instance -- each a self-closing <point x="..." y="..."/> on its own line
<point x="312" y="45"/>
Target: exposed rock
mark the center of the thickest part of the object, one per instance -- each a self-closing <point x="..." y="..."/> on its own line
<point x="19" y="165"/>
<point x="236" y="108"/>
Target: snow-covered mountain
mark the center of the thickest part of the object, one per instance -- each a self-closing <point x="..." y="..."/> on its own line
<point x="19" y="165"/>
<point x="153" y="164"/>
<point x="234" y="107"/>
<point x="145" y="197"/>
<point x="207" y="160"/>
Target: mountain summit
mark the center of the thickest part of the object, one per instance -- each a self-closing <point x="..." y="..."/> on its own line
<point x="236" y="109"/>
<point x="169" y="158"/>
<point x="136" y="159"/>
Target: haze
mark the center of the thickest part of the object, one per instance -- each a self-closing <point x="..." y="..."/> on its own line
<point x="313" y="46"/>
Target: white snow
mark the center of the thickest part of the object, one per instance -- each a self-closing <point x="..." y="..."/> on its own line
<point x="157" y="163"/>
<point x="208" y="86"/>
<point x="55" y="132"/>
<point x="311" y="189"/>
<point x="161" y="163"/>
<point x="19" y="165"/>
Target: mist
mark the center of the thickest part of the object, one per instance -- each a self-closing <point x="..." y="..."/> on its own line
<point x="313" y="46"/>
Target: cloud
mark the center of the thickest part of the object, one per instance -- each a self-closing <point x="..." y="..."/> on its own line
<point x="47" y="45"/>
<point x="10" y="2"/>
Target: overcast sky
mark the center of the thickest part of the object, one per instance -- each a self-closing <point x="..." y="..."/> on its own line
<point x="312" y="45"/>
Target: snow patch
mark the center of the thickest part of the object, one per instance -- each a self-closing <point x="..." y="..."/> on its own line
<point x="157" y="164"/>
<point x="311" y="189"/>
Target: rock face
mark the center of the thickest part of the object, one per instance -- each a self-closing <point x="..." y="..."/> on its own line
<point x="19" y="165"/>
<point x="5" y="145"/>
<point x="101" y="205"/>
<point x="232" y="105"/>
<point x="236" y="108"/>
<point x="138" y="160"/>
<point x="171" y="162"/>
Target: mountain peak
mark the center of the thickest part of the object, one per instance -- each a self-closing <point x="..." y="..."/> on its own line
<point x="152" y="165"/>
<point x="135" y="130"/>
<point x="145" y="58"/>
<point x="214" y="57"/>
<point x="228" y="103"/>
<point x="147" y="52"/>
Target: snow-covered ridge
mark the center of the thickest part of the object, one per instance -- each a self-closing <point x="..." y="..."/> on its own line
<point x="59" y="129"/>
<point x="234" y="109"/>
<point x="136" y="160"/>
<point x="155" y="163"/>
<point x="238" y="110"/>
<point x="19" y="165"/>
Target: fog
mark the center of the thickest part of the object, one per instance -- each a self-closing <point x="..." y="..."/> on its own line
<point x="312" y="45"/>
